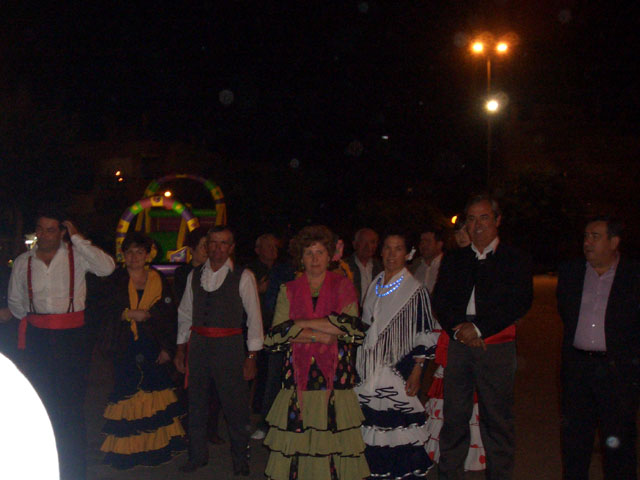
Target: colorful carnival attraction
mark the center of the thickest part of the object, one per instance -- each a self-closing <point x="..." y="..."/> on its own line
<point x="167" y="220"/>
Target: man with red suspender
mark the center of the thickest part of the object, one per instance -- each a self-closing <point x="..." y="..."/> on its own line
<point x="210" y="319"/>
<point x="47" y="292"/>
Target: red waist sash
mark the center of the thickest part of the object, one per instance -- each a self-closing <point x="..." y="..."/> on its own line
<point x="51" y="321"/>
<point x="215" y="332"/>
<point x="504" y="336"/>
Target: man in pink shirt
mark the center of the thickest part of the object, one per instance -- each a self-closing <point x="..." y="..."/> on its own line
<point x="598" y="300"/>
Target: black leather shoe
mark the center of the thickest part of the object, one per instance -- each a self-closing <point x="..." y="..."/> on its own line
<point x="191" y="467"/>
<point x="241" y="468"/>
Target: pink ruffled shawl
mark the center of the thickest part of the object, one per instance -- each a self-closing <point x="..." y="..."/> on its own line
<point x="335" y="294"/>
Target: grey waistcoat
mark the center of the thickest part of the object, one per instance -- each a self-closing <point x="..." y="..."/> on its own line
<point x="221" y="308"/>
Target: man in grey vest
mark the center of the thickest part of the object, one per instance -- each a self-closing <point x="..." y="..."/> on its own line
<point x="210" y="319"/>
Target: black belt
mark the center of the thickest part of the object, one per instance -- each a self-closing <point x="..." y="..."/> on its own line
<point x="591" y="353"/>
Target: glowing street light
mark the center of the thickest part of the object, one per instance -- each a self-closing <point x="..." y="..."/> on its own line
<point x="488" y="46"/>
<point x="168" y="194"/>
<point x="492" y="105"/>
<point x="454" y="219"/>
<point x="485" y="46"/>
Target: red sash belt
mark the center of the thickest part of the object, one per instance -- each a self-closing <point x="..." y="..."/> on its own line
<point x="214" y="332"/>
<point x="504" y="336"/>
<point x="52" y="321"/>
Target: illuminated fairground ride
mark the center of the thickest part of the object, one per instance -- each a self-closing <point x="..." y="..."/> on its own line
<point x="167" y="221"/>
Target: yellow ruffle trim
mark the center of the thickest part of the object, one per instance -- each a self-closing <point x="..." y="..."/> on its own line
<point x="145" y="442"/>
<point x="140" y="405"/>
<point x="317" y="468"/>
<point x="315" y="439"/>
<point x="273" y="340"/>
<point x="351" y="334"/>
<point x="316" y="442"/>
<point x="314" y="411"/>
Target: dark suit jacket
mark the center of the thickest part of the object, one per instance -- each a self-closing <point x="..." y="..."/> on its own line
<point x="357" y="278"/>
<point x="622" y="317"/>
<point x="504" y="288"/>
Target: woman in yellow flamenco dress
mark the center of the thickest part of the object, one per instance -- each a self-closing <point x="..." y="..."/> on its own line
<point x="314" y="423"/>
<point x="143" y="414"/>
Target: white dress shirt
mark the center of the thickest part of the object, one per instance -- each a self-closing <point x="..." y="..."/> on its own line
<point x="471" y="306"/>
<point x="366" y="275"/>
<point x="51" y="283"/>
<point x="211" y="281"/>
<point x="428" y="274"/>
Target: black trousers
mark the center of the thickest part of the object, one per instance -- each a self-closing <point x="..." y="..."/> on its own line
<point x="273" y="384"/>
<point x="55" y="362"/>
<point x="491" y="373"/>
<point x="596" y="394"/>
<point x="9" y="341"/>
<point x="218" y="360"/>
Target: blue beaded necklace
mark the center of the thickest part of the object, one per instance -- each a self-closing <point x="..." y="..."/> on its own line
<point x="392" y="286"/>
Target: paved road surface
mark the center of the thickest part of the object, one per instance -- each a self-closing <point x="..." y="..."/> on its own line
<point x="536" y="409"/>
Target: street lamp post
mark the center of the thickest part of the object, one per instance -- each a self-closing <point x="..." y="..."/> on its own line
<point x="487" y="47"/>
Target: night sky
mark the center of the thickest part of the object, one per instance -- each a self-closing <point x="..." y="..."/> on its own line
<point x="298" y="97"/>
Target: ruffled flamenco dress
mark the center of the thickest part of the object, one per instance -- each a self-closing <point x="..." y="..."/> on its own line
<point x="476" y="460"/>
<point x="143" y="414"/>
<point x="400" y="332"/>
<point x="315" y="420"/>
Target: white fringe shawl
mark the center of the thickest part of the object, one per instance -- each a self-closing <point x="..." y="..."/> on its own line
<point x="398" y="337"/>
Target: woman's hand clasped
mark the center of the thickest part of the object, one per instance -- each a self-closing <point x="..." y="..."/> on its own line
<point x="163" y="357"/>
<point x="137" y="315"/>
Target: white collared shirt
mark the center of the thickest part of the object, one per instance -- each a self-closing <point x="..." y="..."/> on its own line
<point x="366" y="275"/>
<point x="428" y="274"/>
<point x="471" y="306"/>
<point x="211" y="281"/>
<point x="51" y="283"/>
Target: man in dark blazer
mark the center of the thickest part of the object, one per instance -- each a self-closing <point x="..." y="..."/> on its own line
<point x="482" y="290"/>
<point x="599" y="302"/>
<point x="363" y="263"/>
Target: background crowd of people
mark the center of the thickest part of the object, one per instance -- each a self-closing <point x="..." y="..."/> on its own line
<point x="329" y="352"/>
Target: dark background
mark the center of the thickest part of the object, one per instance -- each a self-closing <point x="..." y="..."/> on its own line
<point x="316" y="86"/>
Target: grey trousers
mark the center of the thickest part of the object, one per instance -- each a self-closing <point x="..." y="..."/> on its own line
<point x="492" y="375"/>
<point x="219" y="360"/>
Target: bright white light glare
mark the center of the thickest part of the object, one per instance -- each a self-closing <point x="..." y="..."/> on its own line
<point x="477" y="47"/>
<point x="118" y="173"/>
<point x="454" y="219"/>
<point x="25" y="429"/>
<point x="30" y="240"/>
<point x="385" y="137"/>
<point x="492" y="106"/>
<point x="502" y="47"/>
<point x="168" y="193"/>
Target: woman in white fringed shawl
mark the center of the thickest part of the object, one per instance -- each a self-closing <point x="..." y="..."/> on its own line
<point x="399" y="340"/>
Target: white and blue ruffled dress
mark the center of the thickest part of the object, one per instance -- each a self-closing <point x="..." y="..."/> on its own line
<point x="401" y="327"/>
